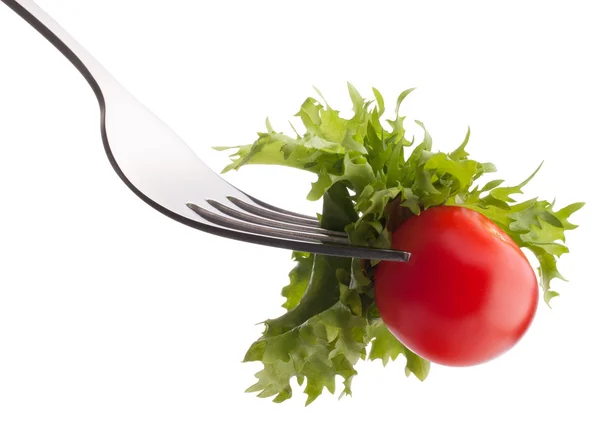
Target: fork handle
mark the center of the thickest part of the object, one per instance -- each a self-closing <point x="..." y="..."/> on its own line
<point x="95" y="74"/>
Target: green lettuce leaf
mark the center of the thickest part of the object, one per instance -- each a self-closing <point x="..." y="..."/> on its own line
<point x="371" y="178"/>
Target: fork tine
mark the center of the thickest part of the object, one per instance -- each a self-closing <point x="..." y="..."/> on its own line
<point x="246" y="217"/>
<point x="263" y="230"/>
<point x="271" y="212"/>
<point x="299" y="241"/>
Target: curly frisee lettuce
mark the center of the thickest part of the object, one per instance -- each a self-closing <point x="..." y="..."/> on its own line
<point x="370" y="179"/>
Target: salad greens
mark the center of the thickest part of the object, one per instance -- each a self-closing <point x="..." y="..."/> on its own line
<point x="371" y="178"/>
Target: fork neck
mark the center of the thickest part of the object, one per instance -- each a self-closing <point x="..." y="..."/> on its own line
<point x="94" y="73"/>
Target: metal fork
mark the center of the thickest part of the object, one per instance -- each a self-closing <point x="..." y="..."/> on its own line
<point x="165" y="173"/>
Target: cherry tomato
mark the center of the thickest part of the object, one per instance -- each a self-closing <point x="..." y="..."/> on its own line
<point x="468" y="293"/>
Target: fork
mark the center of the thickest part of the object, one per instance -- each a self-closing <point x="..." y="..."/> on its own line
<point x="165" y="173"/>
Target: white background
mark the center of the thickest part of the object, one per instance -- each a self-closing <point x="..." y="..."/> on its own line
<point x="112" y="314"/>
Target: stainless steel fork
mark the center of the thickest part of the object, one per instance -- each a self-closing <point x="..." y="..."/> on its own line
<point x="165" y="173"/>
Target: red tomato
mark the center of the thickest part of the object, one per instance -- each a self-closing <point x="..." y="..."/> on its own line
<point x="468" y="293"/>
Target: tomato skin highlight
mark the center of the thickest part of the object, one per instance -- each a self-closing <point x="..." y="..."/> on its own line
<point x="468" y="293"/>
